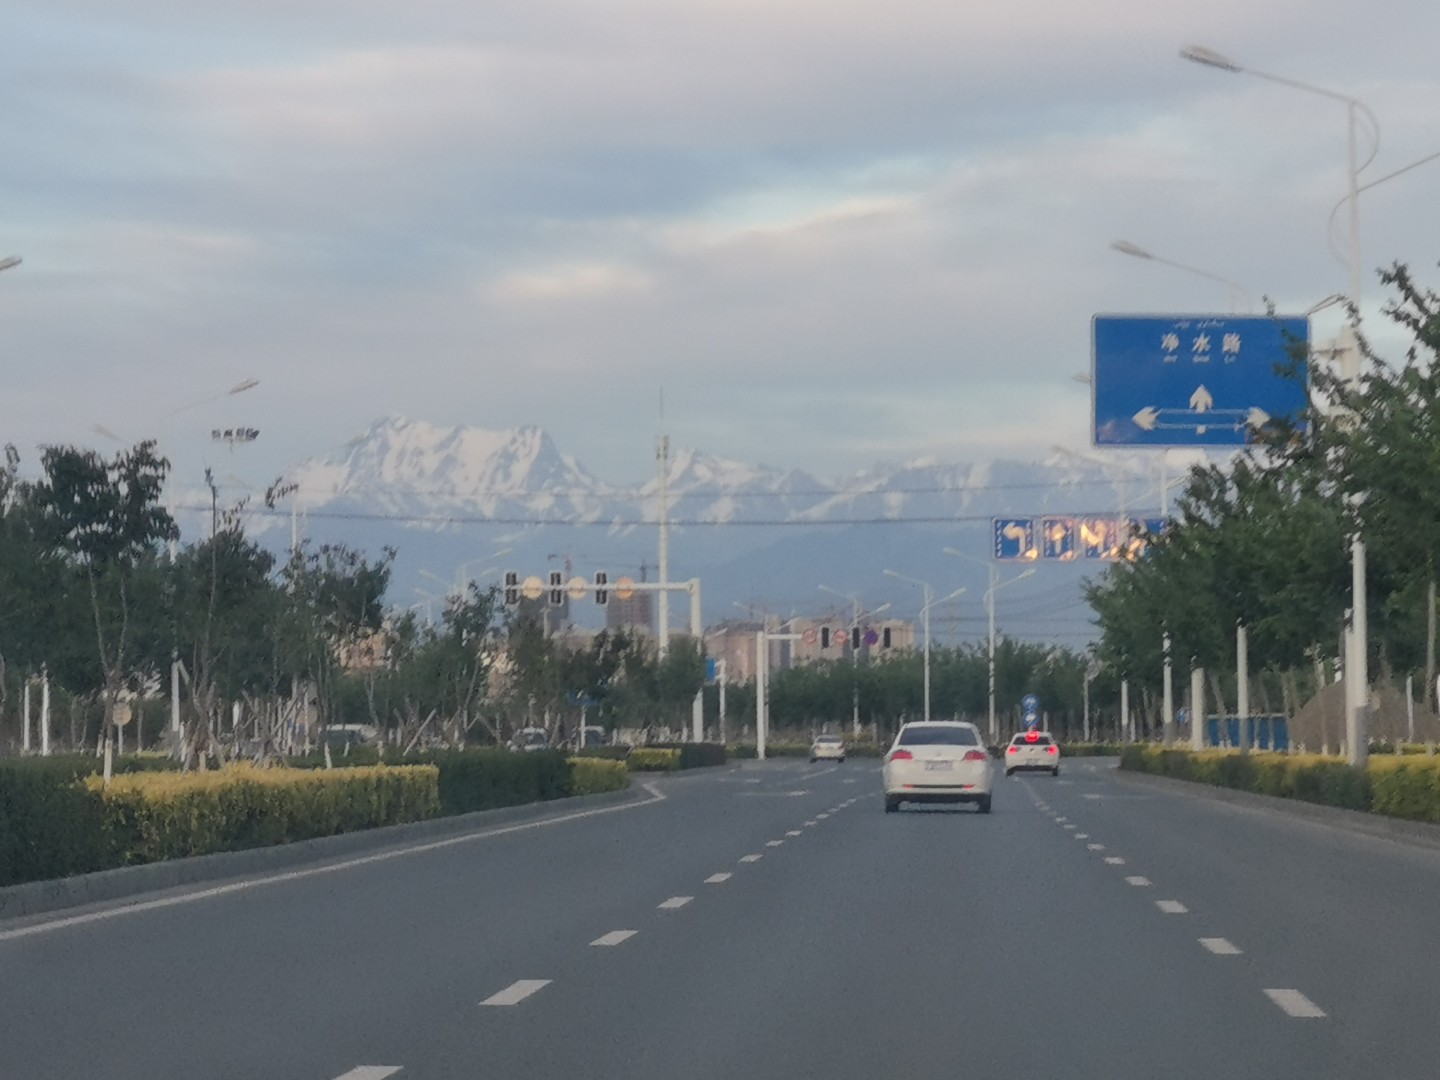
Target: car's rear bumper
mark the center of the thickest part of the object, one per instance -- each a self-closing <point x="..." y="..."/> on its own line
<point x="914" y="796"/>
<point x="1033" y="766"/>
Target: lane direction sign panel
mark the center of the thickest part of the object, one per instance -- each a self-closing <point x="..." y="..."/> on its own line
<point x="1195" y="380"/>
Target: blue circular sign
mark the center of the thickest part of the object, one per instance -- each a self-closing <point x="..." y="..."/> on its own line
<point x="1030" y="703"/>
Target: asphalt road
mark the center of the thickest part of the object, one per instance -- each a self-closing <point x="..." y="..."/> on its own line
<point x="769" y="921"/>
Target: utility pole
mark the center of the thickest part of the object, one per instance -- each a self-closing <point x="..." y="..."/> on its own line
<point x="663" y="617"/>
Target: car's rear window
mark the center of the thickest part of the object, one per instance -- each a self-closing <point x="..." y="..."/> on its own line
<point x="935" y="735"/>
<point x="1039" y="740"/>
<point x="828" y="739"/>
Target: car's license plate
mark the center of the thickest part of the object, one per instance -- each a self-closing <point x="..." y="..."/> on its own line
<point x="938" y="766"/>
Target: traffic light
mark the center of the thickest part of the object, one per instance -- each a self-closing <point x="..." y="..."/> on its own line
<point x="885" y="638"/>
<point x="512" y="588"/>
<point x="557" y="588"/>
<point x="824" y="637"/>
<point x="602" y="594"/>
<point x="855" y="638"/>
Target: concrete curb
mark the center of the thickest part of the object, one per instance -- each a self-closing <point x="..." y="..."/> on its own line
<point x="1360" y="822"/>
<point x="39" y="897"/>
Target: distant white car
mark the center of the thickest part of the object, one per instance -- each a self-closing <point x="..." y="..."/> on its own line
<point x="827" y="748"/>
<point x="1032" y="751"/>
<point x="938" y="761"/>
<point x="530" y="739"/>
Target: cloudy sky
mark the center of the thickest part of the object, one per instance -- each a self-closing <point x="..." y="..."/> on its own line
<point x="834" y="231"/>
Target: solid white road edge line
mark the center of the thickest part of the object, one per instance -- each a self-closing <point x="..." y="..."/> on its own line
<point x="1294" y="1003"/>
<point x="614" y="937"/>
<point x="315" y="871"/>
<point x="1219" y="946"/>
<point x="516" y="992"/>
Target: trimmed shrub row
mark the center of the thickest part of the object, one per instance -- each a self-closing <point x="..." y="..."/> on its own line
<point x="591" y="775"/>
<point x="55" y="821"/>
<point x="1398" y="787"/>
<point x="153" y="816"/>
<point x="694" y="755"/>
<point x="651" y="759"/>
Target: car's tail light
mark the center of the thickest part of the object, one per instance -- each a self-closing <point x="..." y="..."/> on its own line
<point x="1013" y="750"/>
<point x="902" y="755"/>
<point x="975" y="755"/>
<point x="1052" y="749"/>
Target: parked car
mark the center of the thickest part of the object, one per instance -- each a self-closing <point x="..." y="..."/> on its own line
<point x="528" y="740"/>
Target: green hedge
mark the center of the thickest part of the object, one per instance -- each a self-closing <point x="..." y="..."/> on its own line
<point x="49" y="826"/>
<point x="605" y="753"/>
<point x="473" y="780"/>
<point x="695" y="755"/>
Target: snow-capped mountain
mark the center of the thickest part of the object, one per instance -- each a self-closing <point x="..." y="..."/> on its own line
<point x="448" y="497"/>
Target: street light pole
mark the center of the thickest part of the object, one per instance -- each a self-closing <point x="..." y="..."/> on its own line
<point x="1239" y="295"/>
<point x="8" y="261"/>
<point x="1356" y="672"/>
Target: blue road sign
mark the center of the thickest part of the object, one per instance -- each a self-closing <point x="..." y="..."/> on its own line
<point x="1014" y="538"/>
<point x="1030" y="703"/>
<point x="1057" y="538"/>
<point x="1032" y="721"/>
<point x="1195" y="380"/>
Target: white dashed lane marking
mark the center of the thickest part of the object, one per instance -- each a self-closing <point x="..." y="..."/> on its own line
<point x="1137" y="880"/>
<point x="1082" y="836"/>
<point x="1219" y="946"/>
<point x="751" y="858"/>
<point x="614" y="937"/>
<point x="516" y="992"/>
<point x="821" y="817"/>
<point x="1070" y="825"/>
<point x="675" y="902"/>
<point x="1096" y="847"/>
<point x="716" y="879"/>
<point x="793" y="832"/>
<point x="1294" y="1003"/>
<point x="773" y="843"/>
<point x="1172" y="907"/>
<point x="809" y="824"/>
<point x="1114" y="860"/>
<point x="370" y="1072"/>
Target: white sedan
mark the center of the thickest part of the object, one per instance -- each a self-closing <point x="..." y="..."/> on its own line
<point x="827" y="748"/>
<point x="1032" y="751"/>
<point x="938" y="761"/>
